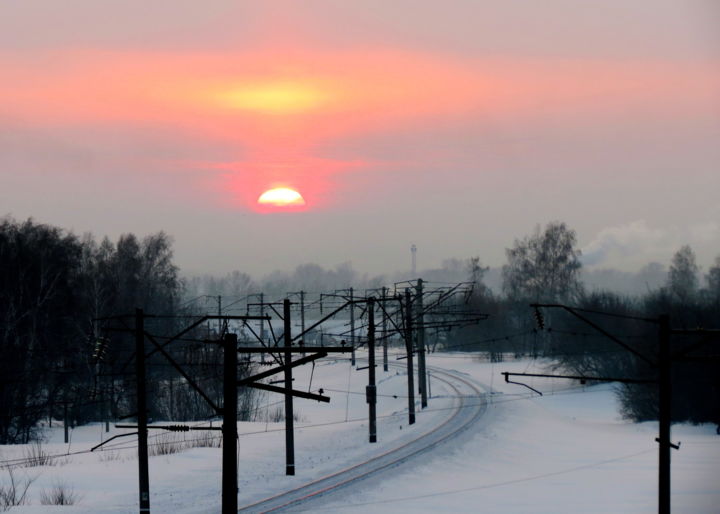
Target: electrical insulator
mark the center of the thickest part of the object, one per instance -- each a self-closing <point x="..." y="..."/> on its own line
<point x="539" y="319"/>
<point x="177" y="428"/>
<point x="100" y="349"/>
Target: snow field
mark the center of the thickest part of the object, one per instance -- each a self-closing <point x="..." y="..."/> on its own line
<point x="328" y="437"/>
<point x="567" y="451"/>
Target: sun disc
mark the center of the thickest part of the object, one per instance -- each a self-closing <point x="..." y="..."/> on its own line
<point x="281" y="197"/>
<point x="274" y="98"/>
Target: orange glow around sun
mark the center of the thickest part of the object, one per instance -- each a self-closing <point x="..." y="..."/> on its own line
<point x="293" y="113"/>
<point x="281" y="197"/>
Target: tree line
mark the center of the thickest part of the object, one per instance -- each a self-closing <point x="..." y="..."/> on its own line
<point x="54" y="357"/>
<point x="545" y="268"/>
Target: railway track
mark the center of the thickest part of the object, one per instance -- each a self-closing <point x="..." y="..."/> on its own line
<point x="466" y="411"/>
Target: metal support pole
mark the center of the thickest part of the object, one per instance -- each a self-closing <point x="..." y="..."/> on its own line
<point x="422" y="378"/>
<point x="144" y="477"/>
<point x="229" y="427"/>
<point x="106" y="406"/>
<point x="289" y="435"/>
<point x="66" y="420"/>
<point x="262" y="325"/>
<point x="371" y="393"/>
<point x="665" y="415"/>
<point x="384" y="332"/>
<point x="262" y="313"/>
<point x="409" y="350"/>
<point x="219" y="300"/>
<point x="302" y="315"/>
<point x="352" y="328"/>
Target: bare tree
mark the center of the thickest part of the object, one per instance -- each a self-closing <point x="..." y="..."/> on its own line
<point x="713" y="283"/>
<point x="544" y="266"/>
<point x="683" y="275"/>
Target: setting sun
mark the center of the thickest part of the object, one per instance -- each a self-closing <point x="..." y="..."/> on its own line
<point x="274" y="98"/>
<point x="281" y="197"/>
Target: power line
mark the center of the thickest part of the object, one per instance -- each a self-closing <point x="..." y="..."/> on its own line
<point x="489" y="486"/>
<point x="497" y="400"/>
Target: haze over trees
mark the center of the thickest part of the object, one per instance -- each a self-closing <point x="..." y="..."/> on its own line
<point x="54" y="285"/>
<point x="308" y="277"/>
<point x="544" y="268"/>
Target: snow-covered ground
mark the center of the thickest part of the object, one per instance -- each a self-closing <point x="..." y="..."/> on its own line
<point x="567" y="451"/>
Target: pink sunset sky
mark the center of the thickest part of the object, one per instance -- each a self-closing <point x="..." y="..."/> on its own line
<point x="456" y="126"/>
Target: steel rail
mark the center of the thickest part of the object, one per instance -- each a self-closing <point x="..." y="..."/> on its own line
<point x="319" y="486"/>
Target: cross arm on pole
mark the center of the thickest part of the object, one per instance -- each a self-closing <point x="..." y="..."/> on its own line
<point x="399" y="330"/>
<point x="321" y="321"/>
<point x="441" y="298"/>
<point x="278" y="369"/>
<point x="177" y="336"/>
<point x="295" y="349"/>
<point x="708" y="336"/>
<point x="252" y="330"/>
<point x="292" y="392"/>
<point x="582" y="378"/>
<point x="604" y="332"/>
<point x="113" y="437"/>
<point x="199" y="322"/>
<point x="182" y="372"/>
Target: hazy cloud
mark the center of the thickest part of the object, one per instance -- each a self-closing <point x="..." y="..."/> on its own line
<point x="456" y="129"/>
<point x="634" y="244"/>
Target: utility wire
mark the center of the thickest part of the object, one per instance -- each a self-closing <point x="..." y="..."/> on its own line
<point x="529" y="478"/>
<point x="121" y="446"/>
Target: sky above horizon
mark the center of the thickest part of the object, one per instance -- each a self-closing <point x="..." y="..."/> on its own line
<point x="456" y="127"/>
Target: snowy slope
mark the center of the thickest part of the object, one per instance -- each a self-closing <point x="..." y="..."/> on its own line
<point x="567" y="451"/>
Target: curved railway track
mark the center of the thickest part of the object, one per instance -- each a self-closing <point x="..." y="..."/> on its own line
<point x="462" y="416"/>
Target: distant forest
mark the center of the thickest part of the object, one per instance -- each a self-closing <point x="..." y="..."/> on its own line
<point x="315" y="278"/>
<point x="54" y="285"/>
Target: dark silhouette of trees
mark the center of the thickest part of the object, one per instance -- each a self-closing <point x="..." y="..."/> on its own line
<point x="39" y="339"/>
<point x="52" y="286"/>
<point x="543" y="268"/>
<point x="696" y="377"/>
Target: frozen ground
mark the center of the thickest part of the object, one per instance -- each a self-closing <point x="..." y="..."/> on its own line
<point x="567" y="451"/>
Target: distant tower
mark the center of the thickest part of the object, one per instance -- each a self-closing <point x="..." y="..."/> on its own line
<point x="413" y="250"/>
